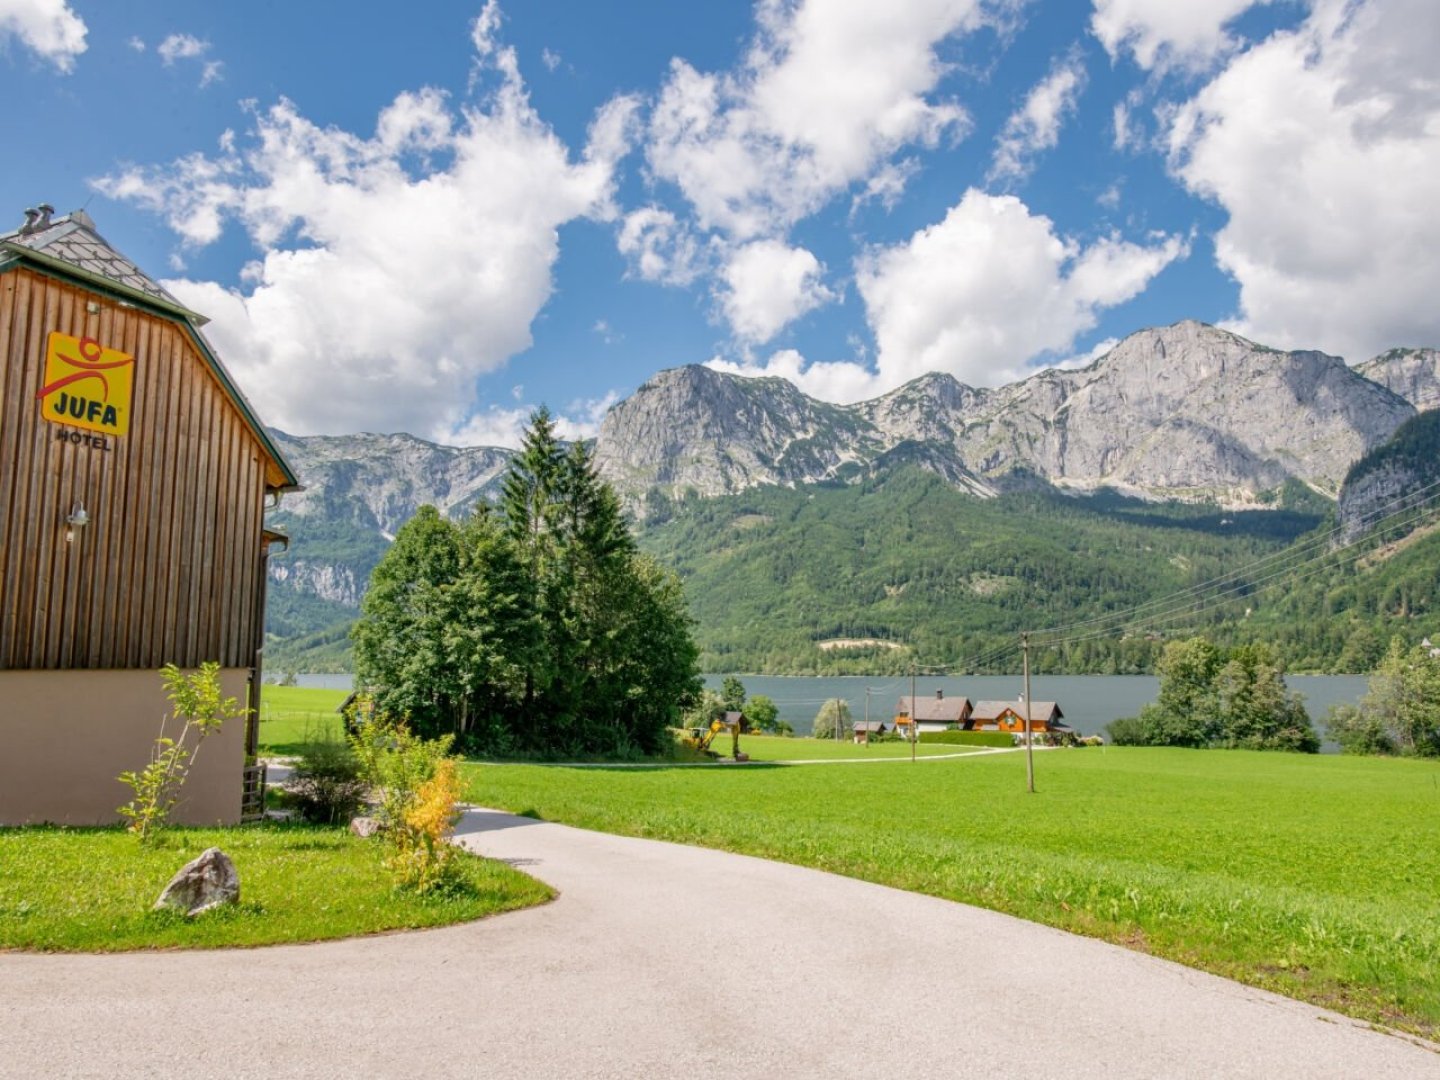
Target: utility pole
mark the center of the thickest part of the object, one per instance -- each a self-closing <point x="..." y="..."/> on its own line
<point x="1029" y="741"/>
<point x="914" y="723"/>
<point x="837" y="719"/>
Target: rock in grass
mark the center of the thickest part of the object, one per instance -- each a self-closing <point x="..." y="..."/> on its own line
<point x="205" y="882"/>
<point x="365" y="827"/>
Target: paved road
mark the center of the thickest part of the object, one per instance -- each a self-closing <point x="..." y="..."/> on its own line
<point x="664" y="961"/>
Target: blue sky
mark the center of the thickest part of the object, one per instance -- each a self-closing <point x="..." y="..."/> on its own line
<point x="434" y="218"/>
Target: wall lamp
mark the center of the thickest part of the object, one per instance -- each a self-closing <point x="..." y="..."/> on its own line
<point x="77" y="520"/>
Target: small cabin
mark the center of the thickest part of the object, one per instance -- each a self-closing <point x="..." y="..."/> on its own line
<point x="134" y="478"/>
<point x="864" y="730"/>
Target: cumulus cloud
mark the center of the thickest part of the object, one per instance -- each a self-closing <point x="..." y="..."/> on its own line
<point x="383" y="287"/>
<point x="48" y="28"/>
<point x="979" y="295"/>
<point x="826" y="95"/>
<point x="991" y="287"/>
<point x="1035" y="126"/>
<point x="1162" y="34"/>
<point x="1322" y="144"/>
<point x="768" y="285"/>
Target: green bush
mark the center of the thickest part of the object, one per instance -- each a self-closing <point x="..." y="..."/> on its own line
<point x="328" y="784"/>
<point x="1128" y="731"/>
<point x="968" y="738"/>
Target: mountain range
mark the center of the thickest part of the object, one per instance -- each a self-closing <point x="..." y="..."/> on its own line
<point x="1187" y="412"/>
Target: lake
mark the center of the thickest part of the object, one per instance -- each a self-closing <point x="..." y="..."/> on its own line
<point x="1088" y="701"/>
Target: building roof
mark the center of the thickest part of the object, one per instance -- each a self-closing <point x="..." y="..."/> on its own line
<point x="937" y="709"/>
<point x="74" y="241"/>
<point x="870" y="725"/>
<point x="1043" y="711"/>
<point x="71" y="247"/>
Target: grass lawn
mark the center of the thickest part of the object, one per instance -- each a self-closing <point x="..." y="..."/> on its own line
<point x="1315" y="876"/>
<point x="291" y="714"/>
<point x="90" y="890"/>
<point x="775" y="748"/>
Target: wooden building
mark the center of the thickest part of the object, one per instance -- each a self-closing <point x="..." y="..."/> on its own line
<point x="1045" y="716"/>
<point x="133" y="482"/>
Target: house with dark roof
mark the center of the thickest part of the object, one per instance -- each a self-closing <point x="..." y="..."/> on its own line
<point x="937" y="713"/>
<point x="1045" y="716"/>
<point x="864" y="730"/>
<point x="134" y="477"/>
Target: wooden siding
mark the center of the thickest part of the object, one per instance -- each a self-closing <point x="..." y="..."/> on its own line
<point x="168" y="569"/>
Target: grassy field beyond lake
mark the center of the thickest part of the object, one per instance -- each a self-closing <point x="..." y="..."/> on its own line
<point x="1312" y="876"/>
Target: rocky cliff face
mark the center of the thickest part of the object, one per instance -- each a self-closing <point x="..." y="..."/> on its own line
<point x="1184" y="411"/>
<point x="693" y="428"/>
<point x="1400" y="476"/>
<point x="359" y="489"/>
<point x="378" y="481"/>
<point x="1414" y="374"/>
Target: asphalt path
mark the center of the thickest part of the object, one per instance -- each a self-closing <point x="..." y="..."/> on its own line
<point x="659" y="960"/>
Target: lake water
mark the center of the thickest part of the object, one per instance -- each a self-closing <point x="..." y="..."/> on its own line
<point x="1089" y="702"/>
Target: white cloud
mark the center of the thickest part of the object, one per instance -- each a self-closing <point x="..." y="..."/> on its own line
<point x="660" y="247"/>
<point x="827" y="94"/>
<point x="581" y="419"/>
<point x="827" y="380"/>
<point x="48" y="28"/>
<point x="383" y="288"/>
<point x="887" y="184"/>
<point x="188" y="47"/>
<point x="137" y="44"/>
<point x="484" y="29"/>
<point x="1322" y="145"/>
<point x="767" y="286"/>
<point x="979" y="295"/>
<point x="494" y="426"/>
<point x="550" y="59"/>
<point x="181" y="47"/>
<point x="1035" y="126"/>
<point x="992" y="286"/>
<point x="1162" y="34"/>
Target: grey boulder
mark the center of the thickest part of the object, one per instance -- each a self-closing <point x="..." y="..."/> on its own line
<point x="205" y="882"/>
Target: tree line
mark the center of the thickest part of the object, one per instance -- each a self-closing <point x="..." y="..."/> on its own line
<point x="535" y="628"/>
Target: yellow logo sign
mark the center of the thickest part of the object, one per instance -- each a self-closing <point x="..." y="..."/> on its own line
<point x="87" y="385"/>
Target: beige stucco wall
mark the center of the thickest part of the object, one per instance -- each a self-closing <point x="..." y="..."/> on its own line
<point x="66" y="735"/>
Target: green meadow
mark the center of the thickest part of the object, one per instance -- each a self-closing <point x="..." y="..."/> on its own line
<point x="291" y="715"/>
<point x="1314" y="876"/>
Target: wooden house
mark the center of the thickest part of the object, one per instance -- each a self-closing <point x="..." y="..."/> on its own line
<point x="133" y="481"/>
<point x="1045" y="716"/>
<point x="864" y="730"/>
<point x="937" y="713"/>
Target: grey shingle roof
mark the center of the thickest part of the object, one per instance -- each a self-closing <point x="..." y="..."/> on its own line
<point x="935" y="709"/>
<point x="74" y="240"/>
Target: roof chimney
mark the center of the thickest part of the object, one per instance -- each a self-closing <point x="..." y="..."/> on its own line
<point x="30" y="215"/>
<point x="45" y="211"/>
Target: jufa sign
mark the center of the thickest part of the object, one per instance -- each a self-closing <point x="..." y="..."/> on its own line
<point x="87" y="385"/>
